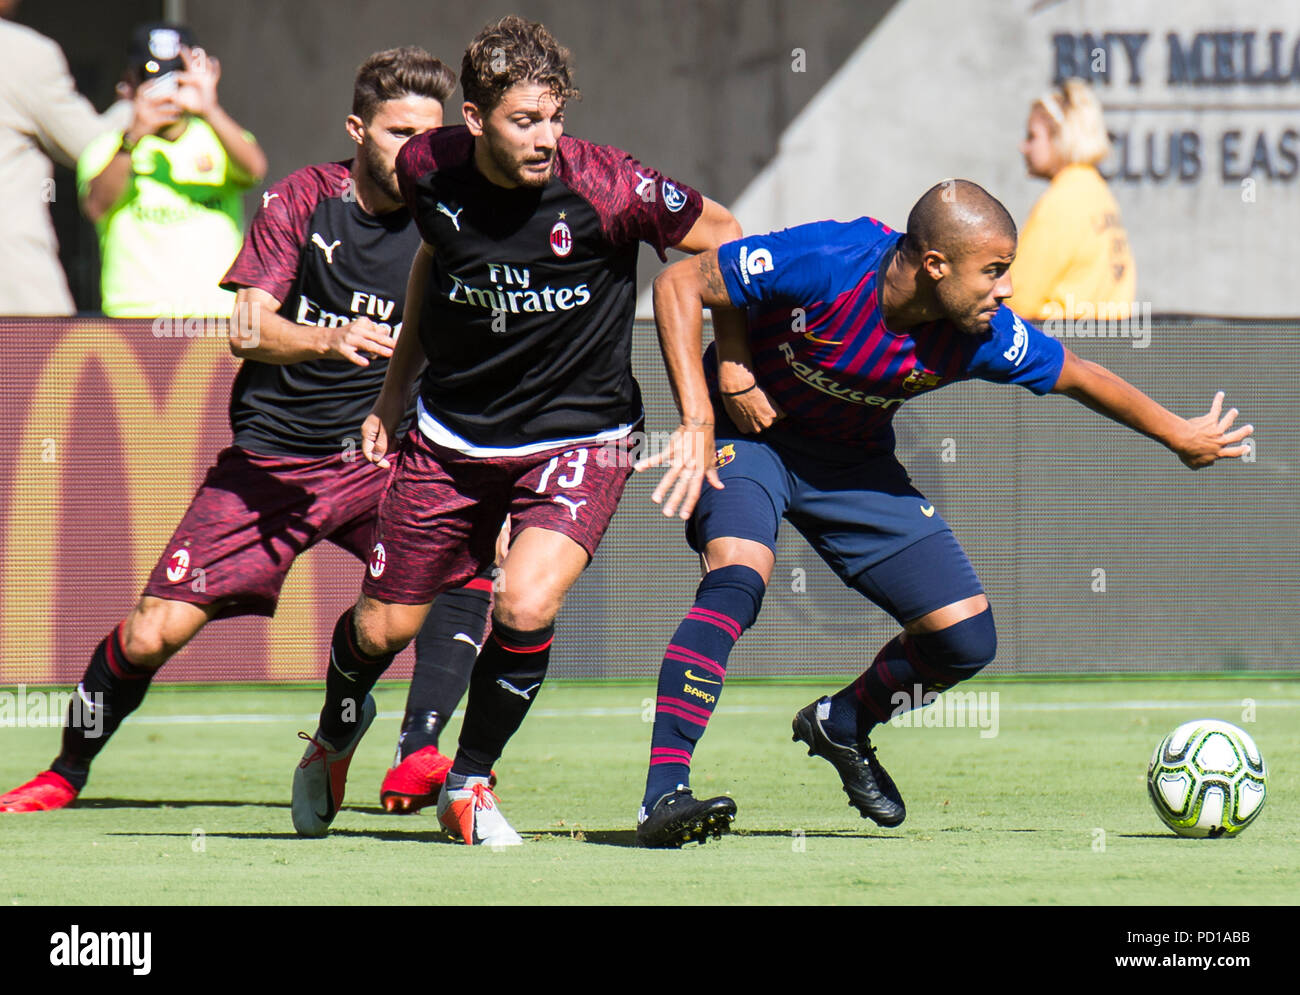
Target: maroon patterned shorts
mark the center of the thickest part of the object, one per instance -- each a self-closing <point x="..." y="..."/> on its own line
<point x="439" y="518"/>
<point x="253" y="515"/>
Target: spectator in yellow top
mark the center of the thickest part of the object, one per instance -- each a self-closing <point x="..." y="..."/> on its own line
<point x="166" y="194"/>
<point x="1073" y="259"/>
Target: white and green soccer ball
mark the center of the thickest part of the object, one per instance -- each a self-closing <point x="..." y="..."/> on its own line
<point x="1207" y="778"/>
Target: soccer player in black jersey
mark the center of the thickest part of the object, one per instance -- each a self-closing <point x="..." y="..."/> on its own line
<point x="320" y="282"/>
<point x="522" y="295"/>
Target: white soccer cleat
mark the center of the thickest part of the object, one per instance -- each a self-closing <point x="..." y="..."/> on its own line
<point x="471" y="813"/>
<point x="321" y="776"/>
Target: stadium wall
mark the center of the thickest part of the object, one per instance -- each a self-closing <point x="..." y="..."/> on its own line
<point x="789" y="111"/>
<point x="1099" y="551"/>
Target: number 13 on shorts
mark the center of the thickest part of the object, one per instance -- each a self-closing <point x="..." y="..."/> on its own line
<point x="572" y="465"/>
<point x="573" y="494"/>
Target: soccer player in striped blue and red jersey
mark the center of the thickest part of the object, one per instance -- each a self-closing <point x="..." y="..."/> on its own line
<point x="845" y="323"/>
<point x="520" y="309"/>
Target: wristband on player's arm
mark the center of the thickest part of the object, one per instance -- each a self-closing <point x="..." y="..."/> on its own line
<point x="737" y="393"/>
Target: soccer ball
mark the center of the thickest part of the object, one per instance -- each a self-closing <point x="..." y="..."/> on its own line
<point x="1207" y="778"/>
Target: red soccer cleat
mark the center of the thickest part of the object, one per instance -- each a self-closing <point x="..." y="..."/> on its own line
<point x="43" y="793"/>
<point x="416" y="781"/>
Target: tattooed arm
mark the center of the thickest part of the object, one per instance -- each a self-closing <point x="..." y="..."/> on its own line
<point x="681" y="292"/>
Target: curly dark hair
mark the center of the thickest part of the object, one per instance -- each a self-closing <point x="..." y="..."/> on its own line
<point x="511" y="51"/>
<point x="398" y="72"/>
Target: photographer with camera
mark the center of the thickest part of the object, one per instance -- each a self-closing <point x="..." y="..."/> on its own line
<point x="165" y="194"/>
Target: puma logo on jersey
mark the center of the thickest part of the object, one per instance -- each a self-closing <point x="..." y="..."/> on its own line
<point x="647" y="183"/>
<point x="267" y="197"/>
<point x="319" y="242"/>
<point x="927" y="510"/>
<point x="455" y="218"/>
<point x="573" y="506"/>
<point x="525" y="694"/>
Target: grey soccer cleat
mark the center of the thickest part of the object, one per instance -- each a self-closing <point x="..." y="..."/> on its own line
<point x="321" y="777"/>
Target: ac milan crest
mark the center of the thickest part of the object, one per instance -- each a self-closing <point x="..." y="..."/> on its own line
<point x="561" y="239"/>
<point x="178" y="565"/>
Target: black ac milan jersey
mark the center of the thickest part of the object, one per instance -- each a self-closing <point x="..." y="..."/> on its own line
<point x="328" y="262"/>
<point x="527" y="316"/>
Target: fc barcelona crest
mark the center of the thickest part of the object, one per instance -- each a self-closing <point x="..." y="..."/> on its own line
<point x="921" y="379"/>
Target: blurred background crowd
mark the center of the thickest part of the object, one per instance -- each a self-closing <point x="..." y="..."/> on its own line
<point x="129" y="163"/>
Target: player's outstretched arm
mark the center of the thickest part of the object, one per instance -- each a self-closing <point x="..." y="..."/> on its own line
<point x="258" y="332"/>
<point x="1198" y="442"/>
<point x="681" y="292"/>
<point x="408" y="362"/>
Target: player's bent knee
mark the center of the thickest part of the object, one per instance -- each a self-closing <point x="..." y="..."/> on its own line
<point x="738" y="588"/>
<point x="144" y="644"/>
<point x="526" y="612"/>
<point x="729" y="552"/>
<point x="156" y="629"/>
<point x="959" y="651"/>
<point x="383" y="628"/>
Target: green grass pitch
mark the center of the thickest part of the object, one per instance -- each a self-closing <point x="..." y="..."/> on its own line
<point x="1052" y="810"/>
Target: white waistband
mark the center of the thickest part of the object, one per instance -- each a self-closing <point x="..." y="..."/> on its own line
<point x="440" y="435"/>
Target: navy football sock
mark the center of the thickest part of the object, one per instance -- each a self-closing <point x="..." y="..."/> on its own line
<point x="445" y="650"/>
<point x="694" y="667"/>
<point x="110" y="690"/>
<point x="908" y="669"/>
<point x="351" y="676"/>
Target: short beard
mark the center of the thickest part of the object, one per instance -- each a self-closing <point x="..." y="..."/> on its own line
<point x="515" y="170"/>
<point x="374" y="167"/>
<point x="967" y="323"/>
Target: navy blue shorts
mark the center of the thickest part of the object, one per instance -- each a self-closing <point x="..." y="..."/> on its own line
<point x="875" y="530"/>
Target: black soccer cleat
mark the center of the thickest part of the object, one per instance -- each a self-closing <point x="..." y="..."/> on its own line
<point x="870" y="788"/>
<point x="679" y="818"/>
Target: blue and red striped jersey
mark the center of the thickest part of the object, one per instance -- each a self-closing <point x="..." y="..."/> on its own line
<point x="821" y="348"/>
